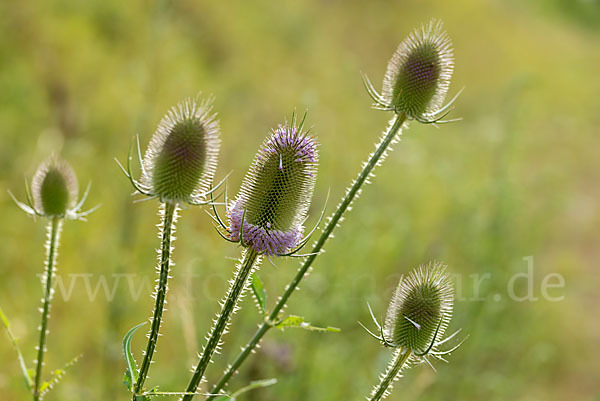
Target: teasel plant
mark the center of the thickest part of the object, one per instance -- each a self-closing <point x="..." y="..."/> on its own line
<point x="266" y="218"/>
<point x="178" y="168"/>
<point x="417" y="317"/>
<point x="414" y="88"/>
<point x="52" y="196"/>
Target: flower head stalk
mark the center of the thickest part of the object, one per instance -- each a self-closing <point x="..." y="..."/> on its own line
<point x="266" y="218"/>
<point x="178" y="167"/>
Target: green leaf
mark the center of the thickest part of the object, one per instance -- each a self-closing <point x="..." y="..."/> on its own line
<point x="147" y="396"/>
<point x="56" y="375"/>
<point x="252" y="386"/>
<point x="131" y="374"/>
<point x="299" y="321"/>
<point x="26" y="372"/>
<point x="4" y="319"/>
<point x="259" y="293"/>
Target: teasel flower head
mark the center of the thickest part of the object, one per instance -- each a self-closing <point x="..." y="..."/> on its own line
<point x="420" y="309"/>
<point x="54" y="192"/>
<point x="418" y="76"/>
<point x="180" y="161"/>
<point x="271" y="206"/>
<point x="54" y="188"/>
<point x="419" y="313"/>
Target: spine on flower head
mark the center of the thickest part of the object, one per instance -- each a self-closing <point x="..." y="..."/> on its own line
<point x="276" y="192"/>
<point x="420" y="309"/>
<point x="181" y="160"/>
<point x="54" y="188"/>
<point x="418" y="75"/>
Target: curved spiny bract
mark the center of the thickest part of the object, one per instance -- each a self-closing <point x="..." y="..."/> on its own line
<point x="420" y="309"/>
<point x="181" y="159"/>
<point x="276" y="193"/>
<point x="54" y="188"/>
<point x="418" y="75"/>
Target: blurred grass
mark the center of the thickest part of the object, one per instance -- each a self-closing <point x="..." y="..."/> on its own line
<point x="517" y="177"/>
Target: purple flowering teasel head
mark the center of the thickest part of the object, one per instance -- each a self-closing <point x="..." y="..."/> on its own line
<point x="274" y="198"/>
<point x="181" y="159"/>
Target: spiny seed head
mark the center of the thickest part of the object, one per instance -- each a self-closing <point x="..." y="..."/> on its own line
<point x="276" y="192"/>
<point x="181" y="159"/>
<point x="54" y="188"/>
<point x="418" y="75"/>
<point x="422" y="301"/>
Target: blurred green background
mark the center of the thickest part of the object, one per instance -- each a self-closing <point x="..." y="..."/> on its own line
<point x="517" y="178"/>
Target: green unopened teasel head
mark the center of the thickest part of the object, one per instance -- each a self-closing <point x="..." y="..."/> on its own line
<point x="54" y="188"/>
<point x="181" y="159"/>
<point x="420" y="309"/>
<point x="418" y="75"/>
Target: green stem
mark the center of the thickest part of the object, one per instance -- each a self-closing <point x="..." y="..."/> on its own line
<point x="262" y="330"/>
<point x="394" y="368"/>
<point x="169" y="216"/>
<point x="53" y="234"/>
<point x="236" y="289"/>
<point x="333" y="221"/>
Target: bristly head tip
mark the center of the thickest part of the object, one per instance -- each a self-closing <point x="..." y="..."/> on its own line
<point x="420" y="309"/>
<point x="276" y="193"/>
<point x="181" y="159"/>
<point x="419" y="73"/>
<point x="54" y="188"/>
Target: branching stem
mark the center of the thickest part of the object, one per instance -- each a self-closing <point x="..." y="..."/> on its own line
<point x="229" y="305"/>
<point x="332" y="223"/>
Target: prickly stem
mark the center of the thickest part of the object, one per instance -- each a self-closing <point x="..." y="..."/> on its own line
<point x="392" y="373"/>
<point x="54" y="228"/>
<point x="239" y="284"/>
<point x="169" y="218"/>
